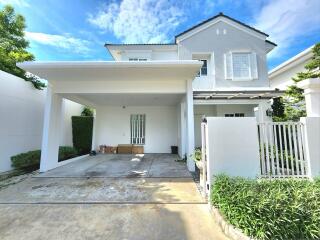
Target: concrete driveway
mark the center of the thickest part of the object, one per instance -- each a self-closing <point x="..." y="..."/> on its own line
<point x="123" y="165"/>
<point x="112" y="203"/>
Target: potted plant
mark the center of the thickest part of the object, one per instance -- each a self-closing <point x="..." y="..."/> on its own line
<point x="197" y="158"/>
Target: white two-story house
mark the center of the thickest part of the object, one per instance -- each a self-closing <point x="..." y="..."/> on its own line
<point x="156" y="94"/>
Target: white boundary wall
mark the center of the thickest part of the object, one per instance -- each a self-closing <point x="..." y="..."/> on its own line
<point x="312" y="138"/>
<point x="232" y="147"/>
<point x="21" y="118"/>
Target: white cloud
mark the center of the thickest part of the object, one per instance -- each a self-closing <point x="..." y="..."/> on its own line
<point x="64" y="42"/>
<point x="287" y="20"/>
<point x="139" y="21"/>
<point x="21" y="3"/>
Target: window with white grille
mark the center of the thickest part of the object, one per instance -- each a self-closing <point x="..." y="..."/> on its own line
<point x="138" y="128"/>
<point x="241" y="66"/>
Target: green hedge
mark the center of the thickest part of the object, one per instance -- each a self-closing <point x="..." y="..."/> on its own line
<point x="66" y="152"/>
<point x="82" y="127"/>
<point x="31" y="160"/>
<point x="269" y="209"/>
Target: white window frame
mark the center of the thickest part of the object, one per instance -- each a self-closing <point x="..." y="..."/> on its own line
<point x="138" y="129"/>
<point x="248" y="55"/>
<point x="253" y="73"/>
<point x="200" y="71"/>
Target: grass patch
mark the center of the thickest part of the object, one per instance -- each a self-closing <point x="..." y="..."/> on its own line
<point x="30" y="161"/>
<point x="269" y="209"/>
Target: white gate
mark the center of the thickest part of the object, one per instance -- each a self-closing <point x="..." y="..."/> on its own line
<point x="282" y="149"/>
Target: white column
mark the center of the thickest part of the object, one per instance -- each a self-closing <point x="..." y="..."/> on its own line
<point x="312" y="143"/>
<point x="183" y="128"/>
<point x="190" y="126"/>
<point x="93" y="143"/>
<point x="262" y="112"/>
<point x="312" y="96"/>
<point x="312" y="124"/>
<point x="53" y="117"/>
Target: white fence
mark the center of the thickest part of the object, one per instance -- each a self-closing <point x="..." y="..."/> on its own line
<point x="282" y="149"/>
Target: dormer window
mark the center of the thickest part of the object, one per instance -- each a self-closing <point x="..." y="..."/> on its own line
<point x="204" y="69"/>
<point x="241" y="66"/>
<point x="138" y="59"/>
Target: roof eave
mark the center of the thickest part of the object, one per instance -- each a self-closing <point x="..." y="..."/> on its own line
<point x="214" y="17"/>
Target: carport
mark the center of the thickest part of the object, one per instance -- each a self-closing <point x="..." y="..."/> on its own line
<point x="160" y="90"/>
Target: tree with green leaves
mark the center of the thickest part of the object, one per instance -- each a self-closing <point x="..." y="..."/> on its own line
<point x="13" y="46"/>
<point x="293" y="102"/>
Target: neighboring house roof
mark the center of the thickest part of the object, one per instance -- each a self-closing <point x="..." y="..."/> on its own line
<point x="292" y="62"/>
<point x="196" y="26"/>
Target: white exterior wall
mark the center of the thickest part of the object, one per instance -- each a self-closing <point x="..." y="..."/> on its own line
<point x="70" y="109"/>
<point x="248" y="110"/>
<point x="312" y="138"/>
<point x="199" y="111"/>
<point x="208" y="41"/>
<point x="22" y="111"/>
<point x="228" y="152"/>
<point x="217" y="111"/>
<point x="113" y="126"/>
<point x="165" y="55"/>
<point x="149" y="55"/>
<point x="149" y="52"/>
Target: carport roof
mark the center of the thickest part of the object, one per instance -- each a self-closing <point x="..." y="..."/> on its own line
<point x="113" y="70"/>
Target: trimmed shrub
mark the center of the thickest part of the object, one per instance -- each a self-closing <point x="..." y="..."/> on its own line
<point x="66" y="152"/>
<point x="82" y="133"/>
<point x="27" y="161"/>
<point x="269" y="209"/>
<point x="31" y="160"/>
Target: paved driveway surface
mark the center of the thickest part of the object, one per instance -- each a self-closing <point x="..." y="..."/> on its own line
<point x="123" y="165"/>
<point x="113" y="203"/>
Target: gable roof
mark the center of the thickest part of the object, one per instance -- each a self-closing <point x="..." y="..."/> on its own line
<point x="192" y="28"/>
<point x="216" y="16"/>
<point x="137" y="44"/>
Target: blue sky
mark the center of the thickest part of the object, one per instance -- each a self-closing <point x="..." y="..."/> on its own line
<point x="77" y="29"/>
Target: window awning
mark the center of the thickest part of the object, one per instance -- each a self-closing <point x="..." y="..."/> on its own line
<point x="237" y="94"/>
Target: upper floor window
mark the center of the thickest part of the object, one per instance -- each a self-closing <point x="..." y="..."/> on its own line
<point x="138" y="59"/>
<point x="241" y="66"/>
<point x="204" y="69"/>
